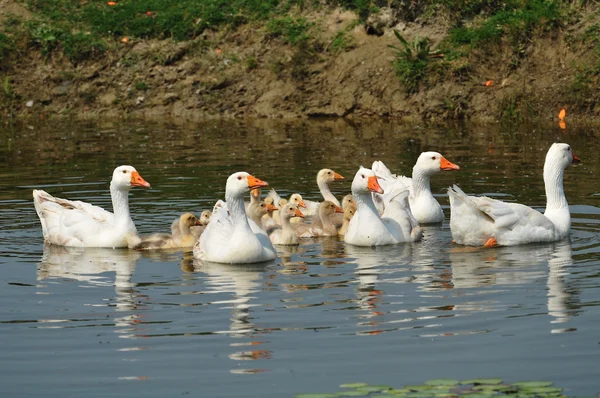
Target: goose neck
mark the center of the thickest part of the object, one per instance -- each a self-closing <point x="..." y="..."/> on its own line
<point x="553" y="182"/>
<point x="326" y="192"/>
<point x="364" y="202"/>
<point x="120" y="202"/>
<point x="235" y="205"/>
<point x="420" y="182"/>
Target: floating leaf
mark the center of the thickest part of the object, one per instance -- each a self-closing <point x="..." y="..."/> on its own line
<point x="532" y="384"/>
<point x="316" y="395"/>
<point x="353" y="385"/>
<point x="369" y="389"/>
<point x="543" y="390"/>
<point x="418" y="388"/>
<point x="351" y="393"/>
<point x="441" y="382"/>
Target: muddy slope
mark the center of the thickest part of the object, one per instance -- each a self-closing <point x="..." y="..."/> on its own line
<point x="246" y="73"/>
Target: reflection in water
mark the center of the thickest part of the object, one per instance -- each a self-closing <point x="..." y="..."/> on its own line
<point x="86" y="265"/>
<point x="558" y="296"/>
<point x="513" y="266"/>
<point x="242" y="281"/>
<point x="371" y="265"/>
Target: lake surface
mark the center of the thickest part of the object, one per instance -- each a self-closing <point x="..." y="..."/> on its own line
<point x="93" y="323"/>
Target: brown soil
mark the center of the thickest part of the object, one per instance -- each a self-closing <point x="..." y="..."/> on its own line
<point x="245" y="73"/>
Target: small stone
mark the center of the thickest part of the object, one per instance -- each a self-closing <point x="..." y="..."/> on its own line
<point x="139" y="100"/>
<point x="29" y="104"/>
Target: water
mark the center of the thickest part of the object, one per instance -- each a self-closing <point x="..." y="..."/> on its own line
<point x="99" y="322"/>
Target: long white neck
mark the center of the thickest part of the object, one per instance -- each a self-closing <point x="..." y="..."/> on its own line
<point x="120" y="202"/>
<point x="326" y="192"/>
<point x="420" y="183"/>
<point x="235" y="205"/>
<point x="364" y="202"/>
<point x="557" y="208"/>
<point x="553" y="180"/>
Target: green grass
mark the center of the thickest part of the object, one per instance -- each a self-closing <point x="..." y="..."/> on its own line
<point x="516" y="21"/>
<point x="289" y="29"/>
<point x="412" y="61"/>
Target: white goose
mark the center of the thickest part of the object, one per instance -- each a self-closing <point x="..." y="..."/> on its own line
<point x="367" y="228"/>
<point x="425" y="208"/>
<point x="324" y="178"/>
<point x="80" y="224"/>
<point x="230" y="237"/>
<point x="476" y="221"/>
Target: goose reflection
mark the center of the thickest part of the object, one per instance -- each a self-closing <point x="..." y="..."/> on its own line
<point x="242" y="281"/>
<point x="87" y="265"/>
<point x="372" y="262"/>
<point x="516" y="265"/>
<point x="559" y="298"/>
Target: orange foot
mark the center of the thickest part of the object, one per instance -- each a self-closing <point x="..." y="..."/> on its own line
<point x="491" y="242"/>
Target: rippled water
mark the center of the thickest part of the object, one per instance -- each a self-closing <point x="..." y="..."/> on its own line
<point x="96" y="322"/>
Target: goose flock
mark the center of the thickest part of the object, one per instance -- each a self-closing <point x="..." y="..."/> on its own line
<point x="383" y="209"/>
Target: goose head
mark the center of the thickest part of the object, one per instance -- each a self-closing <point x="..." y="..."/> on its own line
<point x="262" y="208"/>
<point x="327" y="176"/>
<point x="365" y="181"/>
<point x="296" y="199"/>
<point x="349" y="212"/>
<point x="188" y="220"/>
<point x="125" y="177"/>
<point x="327" y="208"/>
<point x="561" y="155"/>
<point x="205" y="217"/>
<point x="291" y="210"/>
<point x="432" y="162"/>
<point x="282" y="202"/>
<point x="240" y="183"/>
<point x="347" y="201"/>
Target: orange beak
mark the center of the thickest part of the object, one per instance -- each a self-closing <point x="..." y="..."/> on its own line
<point x="445" y="164"/>
<point x="338" y="209"/>
<point x="302" y="204"/>
<point x="298" y="213"/>
<point x="270" y="207"/>
<point x="373" y="185"/>
<point x="575" y="159"/>
<point x="254" y="183"/>
<point x="197" y="222"/>
<point x="138" y="181"/>
<point x="337" y="177"/>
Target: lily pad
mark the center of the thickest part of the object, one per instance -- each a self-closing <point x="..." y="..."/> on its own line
<point x="532" y="384"/>
<point x="353" y="385"/>
<point x="351" y="393"/>
<point x="369" y="389"/>
<point x="441" y="382"/>
<point x="543" y="390"/>
<point x="418" y="388"/>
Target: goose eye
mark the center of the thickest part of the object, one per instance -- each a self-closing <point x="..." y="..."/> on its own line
<point x="329" y="172"/>
<point x="569" y="148"/>
<point x="362" y="175"/>
<point x="124" y="171"/>
<point x="240" y="178"/>
<point x="433" y="157"/>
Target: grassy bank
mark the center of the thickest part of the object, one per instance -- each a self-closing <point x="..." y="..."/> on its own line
<point x="476" y="34"/>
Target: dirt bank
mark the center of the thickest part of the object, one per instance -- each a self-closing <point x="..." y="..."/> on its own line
<point x="248" y="73"/>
